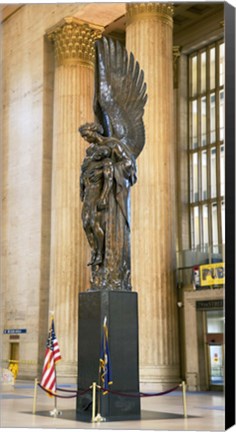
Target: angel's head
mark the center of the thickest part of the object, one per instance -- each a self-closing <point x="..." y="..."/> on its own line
<point x="91" y="132"/>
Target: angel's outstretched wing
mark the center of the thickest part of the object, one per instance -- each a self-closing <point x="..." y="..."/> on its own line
<point x="120" y="94"/>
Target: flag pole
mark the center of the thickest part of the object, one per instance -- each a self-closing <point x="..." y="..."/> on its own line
<point x="35" y="395"/>
<point x="55" y="412"/>
<point x="98" y="418"/>
<point x="184" y="399"/>
<point x="99" y="387"/>
<point x="51" y="318"/>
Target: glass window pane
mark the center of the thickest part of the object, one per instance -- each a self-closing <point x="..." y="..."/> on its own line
<point x="212" y="67"/>
<point x="196" y="227"/>
<point x="203" y="121"/>
<point x="213" y="172"/>
<point x="222" y="170"/>
<point x="222" y="115"/>
<point x="204" y="174"/>
<point x="194" y="75"/>
<point x="212" y="118"/>
<point x="203" y="71"/>
<point x="215" y="321"/>
<point x="214" y="224"/>
<point x="222" y="66"/>
<point x="223" y="221"/>
<point x="194" y="124"/>
<point x="205" y="225"/>
<point x="195" y="196"/>
<point x="216" y="364"/>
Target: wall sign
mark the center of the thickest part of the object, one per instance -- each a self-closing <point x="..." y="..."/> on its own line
<point x="212" y="274"/>
<point x="209" y="304"/>
<point x="14" y="331"/>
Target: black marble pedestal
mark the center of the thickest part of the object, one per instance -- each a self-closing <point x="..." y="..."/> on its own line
<point x="121" y="310"/>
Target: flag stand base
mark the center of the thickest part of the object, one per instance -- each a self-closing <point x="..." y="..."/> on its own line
<point x="99" y="418"/>
<point x="55" y="413"/>
<point x="121" y="310"/>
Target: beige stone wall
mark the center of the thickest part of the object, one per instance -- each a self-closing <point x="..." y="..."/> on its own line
<point x="28" y="80"/>
<point x="26" y="163"/>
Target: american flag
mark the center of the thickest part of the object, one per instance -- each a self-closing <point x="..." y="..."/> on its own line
<point x="52" y="356"/>
<point x="105" y="360"/>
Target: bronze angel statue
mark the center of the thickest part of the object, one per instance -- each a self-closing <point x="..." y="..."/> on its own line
<point x="109" y="167"/>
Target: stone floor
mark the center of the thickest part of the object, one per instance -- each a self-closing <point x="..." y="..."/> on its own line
<point x="205" y="411"/>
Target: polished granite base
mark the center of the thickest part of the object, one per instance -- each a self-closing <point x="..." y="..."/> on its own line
<point x="121" y="311"/>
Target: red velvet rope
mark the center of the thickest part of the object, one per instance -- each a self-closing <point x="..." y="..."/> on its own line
<point x="141" y="394"/>
<point x="64" y="397"/>
<point x="81" y="393"/>
<point x="66" y="390"/>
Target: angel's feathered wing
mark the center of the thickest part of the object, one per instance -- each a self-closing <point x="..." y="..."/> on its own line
<point x="120" y="94"/>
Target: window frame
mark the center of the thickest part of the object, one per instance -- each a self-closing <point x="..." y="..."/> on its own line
<point x="208" y="146"/>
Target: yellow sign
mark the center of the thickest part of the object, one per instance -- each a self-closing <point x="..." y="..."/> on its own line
<point x="13" y="367"/>
<point x="212" y="274"/>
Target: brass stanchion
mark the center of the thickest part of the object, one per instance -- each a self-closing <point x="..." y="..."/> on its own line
<point x="184" y="398"/>
<point x="98" y="418"/>
<point x="93" y="401"/>
<point x="35" y="395"/>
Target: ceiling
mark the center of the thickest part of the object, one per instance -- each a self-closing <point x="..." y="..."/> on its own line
<point x="186" y="15"/>
<point x="191" y="20"/>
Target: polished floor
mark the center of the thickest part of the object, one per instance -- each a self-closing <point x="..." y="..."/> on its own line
<point x="205" y="411"/>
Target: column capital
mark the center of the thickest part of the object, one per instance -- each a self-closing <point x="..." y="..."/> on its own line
<point x="74" y="41"/>
<point x="138" y="11"/>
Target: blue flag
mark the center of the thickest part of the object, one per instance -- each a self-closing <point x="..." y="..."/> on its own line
<point x="105" y="360"/>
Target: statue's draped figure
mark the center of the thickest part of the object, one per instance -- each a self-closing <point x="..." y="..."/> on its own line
<point x="109" y="167"/>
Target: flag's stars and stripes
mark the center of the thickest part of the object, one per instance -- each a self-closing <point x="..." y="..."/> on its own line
<point x="52" y="356"/>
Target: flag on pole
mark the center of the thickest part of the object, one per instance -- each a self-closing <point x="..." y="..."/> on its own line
<point x="105" y="360"/>
<point x="52" y="356"/>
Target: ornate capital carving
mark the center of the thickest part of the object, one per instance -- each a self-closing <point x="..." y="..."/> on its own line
<point x="138" y="11"/>
<point x="74" y="41"/>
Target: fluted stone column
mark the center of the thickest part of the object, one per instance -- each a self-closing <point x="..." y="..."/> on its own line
<point x="73" y="96"/>
<point x="149" y="37"/>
